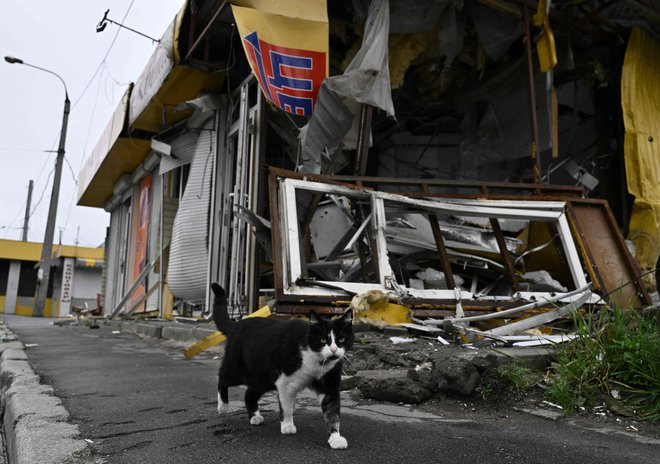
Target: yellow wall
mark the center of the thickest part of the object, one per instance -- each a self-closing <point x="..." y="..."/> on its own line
<point x="26" y="309"/>
<point x="2" y="304"/>
<point x="31" y="251"/>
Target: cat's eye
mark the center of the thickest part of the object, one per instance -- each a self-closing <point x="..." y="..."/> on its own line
<point x="340" y="340"/>
<point x="324" y="340"/>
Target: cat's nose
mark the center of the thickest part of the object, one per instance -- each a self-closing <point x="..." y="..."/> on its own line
<point x="333" y="348"/>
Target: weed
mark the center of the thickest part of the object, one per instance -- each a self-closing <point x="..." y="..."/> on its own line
<point x="616" y="353"/>
<point x="485" y="391"/>
<point x="517" y="375"/>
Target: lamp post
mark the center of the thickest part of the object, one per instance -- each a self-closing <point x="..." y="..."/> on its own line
<point x="47" y="249"/>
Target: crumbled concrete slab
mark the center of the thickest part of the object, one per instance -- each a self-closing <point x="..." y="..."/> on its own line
<point x="455" y="374"/>
<point x="394" y="385"/>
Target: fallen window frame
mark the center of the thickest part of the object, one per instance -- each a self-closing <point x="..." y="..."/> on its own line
<point x="292" y="265"/>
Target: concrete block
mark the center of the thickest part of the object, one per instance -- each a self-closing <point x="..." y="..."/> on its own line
<point x="182" y="334"/>
<point x="202" y="332"/>
<point x="534" y="357"/>
<point x="394" y="331"/>
<point x="129" y="327"/>
<point x="149" y="330"/>
<point x="114" y="323"/>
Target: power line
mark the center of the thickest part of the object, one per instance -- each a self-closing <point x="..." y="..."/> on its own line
<point x="32" y="150"/>
<point x="43" y="192"/>
<point x="102" y="65"/>
<point x="98" y="68"/>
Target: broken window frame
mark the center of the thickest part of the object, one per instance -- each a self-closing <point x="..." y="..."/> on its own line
<point x="292" y="265"/>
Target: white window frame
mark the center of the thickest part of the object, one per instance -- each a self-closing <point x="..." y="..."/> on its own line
<point x="544" y="211"/>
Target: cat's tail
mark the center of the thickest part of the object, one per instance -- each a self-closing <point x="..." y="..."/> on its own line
<point x="220" y="315"/>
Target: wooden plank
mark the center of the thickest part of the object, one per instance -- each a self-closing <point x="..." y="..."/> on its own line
<point x="218" y="337"/>
<point x="135" y="285"/>
<point x="142" y="299"/>
<point x="506" y="257"/>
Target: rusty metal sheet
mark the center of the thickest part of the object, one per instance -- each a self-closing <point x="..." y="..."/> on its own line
<point x="604" y="254"/>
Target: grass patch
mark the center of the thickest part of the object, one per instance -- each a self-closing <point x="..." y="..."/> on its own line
<point x="617" y="354"/>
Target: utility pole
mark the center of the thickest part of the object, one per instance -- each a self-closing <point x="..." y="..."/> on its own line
<point x="45" y="264"/>
<point x="28" y="205"/>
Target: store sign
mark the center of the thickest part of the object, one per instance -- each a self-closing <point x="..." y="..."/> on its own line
<point x="287" y="48"/>
<point x="66" y="293"/>
<point x="290" y="78"/>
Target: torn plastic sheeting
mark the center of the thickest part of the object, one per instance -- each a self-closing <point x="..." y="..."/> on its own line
<point x="496" y="30"/>
<point x="419" y="16"/>
<point x="366" y="80"/>
<point x="640" y="99"/>
<point x="499" y="133"/>
<point x="367" y="77"/>
<point x="330" y="122"/>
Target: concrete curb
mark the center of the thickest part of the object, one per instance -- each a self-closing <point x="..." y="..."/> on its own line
<point x="37" y="427"/>
<point x="167" y="331"/>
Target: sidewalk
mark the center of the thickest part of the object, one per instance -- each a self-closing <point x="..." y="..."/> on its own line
<point x="38" y="428"/>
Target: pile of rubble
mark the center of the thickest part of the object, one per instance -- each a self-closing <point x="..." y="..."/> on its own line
<point x="413" y="371"/>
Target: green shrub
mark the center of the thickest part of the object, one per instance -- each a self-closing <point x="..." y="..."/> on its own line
<point x="616" y="353"/>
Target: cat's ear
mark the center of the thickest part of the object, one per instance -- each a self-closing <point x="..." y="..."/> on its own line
<point x="347" y="317"/>
<point x="314" y="318"/>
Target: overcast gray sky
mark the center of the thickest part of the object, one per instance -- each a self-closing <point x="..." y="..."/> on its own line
<point x="61" y="36"/>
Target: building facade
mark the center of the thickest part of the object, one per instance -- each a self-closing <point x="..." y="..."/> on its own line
<point x="75" y="283"/>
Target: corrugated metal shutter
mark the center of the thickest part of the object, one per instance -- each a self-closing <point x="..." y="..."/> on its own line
<point x="171" y="206"/>
<point x="183" y="150"/>
<point x="189" y="247"/>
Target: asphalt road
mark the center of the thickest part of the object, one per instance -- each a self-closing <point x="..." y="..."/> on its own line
<point x="139" y="401"/>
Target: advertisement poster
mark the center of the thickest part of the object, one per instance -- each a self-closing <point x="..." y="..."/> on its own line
<point x="141" y="240"/>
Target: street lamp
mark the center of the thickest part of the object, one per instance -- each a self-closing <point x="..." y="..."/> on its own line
<point x="47" y="249"/>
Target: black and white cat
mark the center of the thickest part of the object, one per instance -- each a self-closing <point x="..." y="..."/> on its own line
<point x="267" y="354"/>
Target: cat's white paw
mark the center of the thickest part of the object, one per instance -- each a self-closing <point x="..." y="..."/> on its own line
<point x="287" y="429"/>
<point x="257" y="419"/>
<point x="336" y="441"/>
<point x="223" y="407"/>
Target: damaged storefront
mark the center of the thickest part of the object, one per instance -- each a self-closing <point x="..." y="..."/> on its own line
<point x="477" y="162"/>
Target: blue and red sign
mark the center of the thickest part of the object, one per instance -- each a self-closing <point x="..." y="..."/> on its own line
<point x="290" y="78"/>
